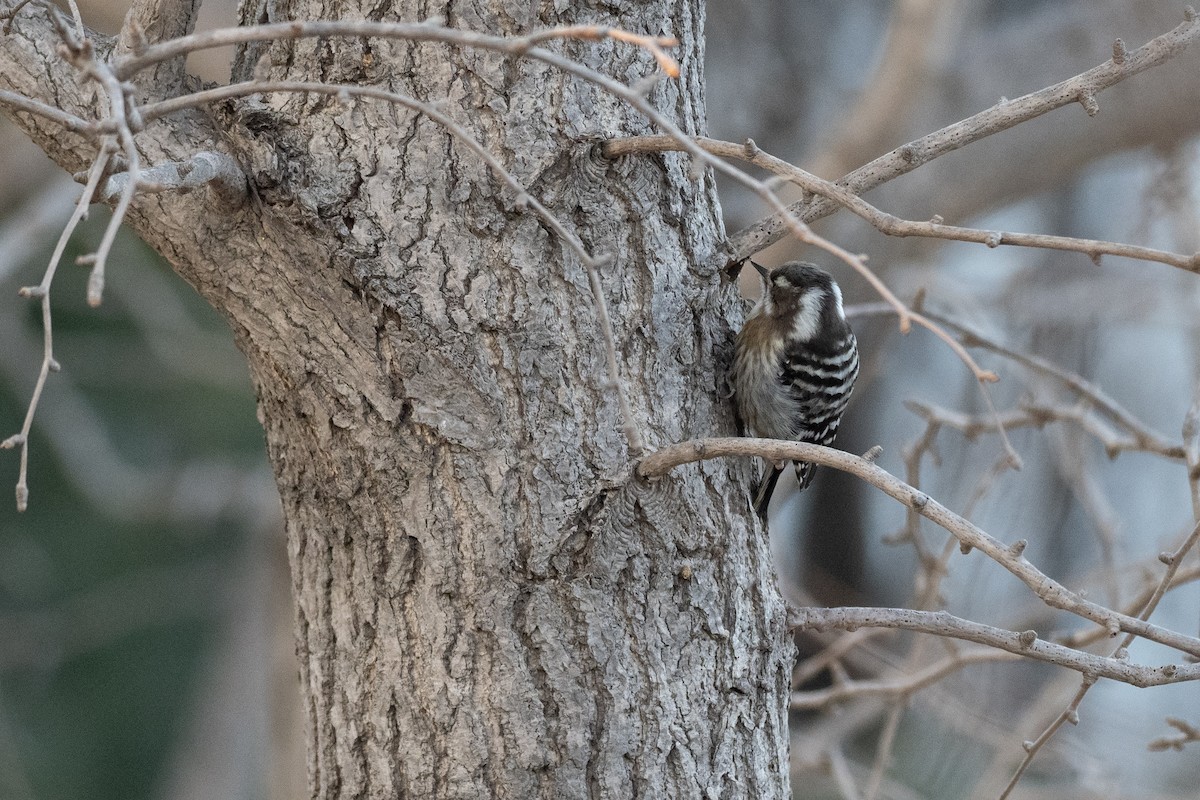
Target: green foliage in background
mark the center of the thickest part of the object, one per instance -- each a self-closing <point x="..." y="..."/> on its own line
<point x="105" y="618"/>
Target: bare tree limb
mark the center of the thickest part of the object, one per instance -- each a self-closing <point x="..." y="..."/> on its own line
<point x="1187" y="733"/>
<point x="204" y="168"/>
<point x="68" y="121"/>
<point x="49" y="364"/>
<point x="1026" y="643"/>
<point x="969" y="535"/>
<point x="1081" y="89"/>
<point x="902" y="686"/>
<point x="892" y="225"/>
<point x="156" y="21"/>
<point x="1143" y="437"/>
<point x="1071" y="712"/>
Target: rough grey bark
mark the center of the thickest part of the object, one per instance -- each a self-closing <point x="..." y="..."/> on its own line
<point x="487" y="606"/>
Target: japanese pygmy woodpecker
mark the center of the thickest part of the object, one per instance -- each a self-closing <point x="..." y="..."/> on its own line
<point x="794" y="365"/>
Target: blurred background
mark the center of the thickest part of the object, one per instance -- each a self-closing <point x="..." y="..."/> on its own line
<point x="144" y="598"/>
<point x="832" y="85"/>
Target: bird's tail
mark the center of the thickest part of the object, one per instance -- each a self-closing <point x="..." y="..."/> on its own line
<point x="804" y="473"/>
<point x="762" y="499"/>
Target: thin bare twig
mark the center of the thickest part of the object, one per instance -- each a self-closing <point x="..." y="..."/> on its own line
<point x="1071" y="713"/>
<point x="902" y="686"/>
<point x="1025" y="643"/>
<point x="1082" y="89"/>
<point x="1144" y="438"/>
<point x="42" y="292"/>
<point x="1187" y="733"/>
<point x="1191" y="452"/>
<point x="99" y="259"/>
<point x="892" y="225"/>
<point x="967" y="533"/>
<point x="523" y="46"/>
<point x="67" y="120"/>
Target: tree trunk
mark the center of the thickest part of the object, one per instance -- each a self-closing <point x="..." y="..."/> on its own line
<point x="487" y="604"/>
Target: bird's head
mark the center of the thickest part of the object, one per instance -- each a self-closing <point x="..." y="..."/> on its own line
<point x="804" y="294"/>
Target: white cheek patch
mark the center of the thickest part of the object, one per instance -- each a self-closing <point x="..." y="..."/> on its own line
<point x="808" y="316"/>
<point x="837" y="301"/>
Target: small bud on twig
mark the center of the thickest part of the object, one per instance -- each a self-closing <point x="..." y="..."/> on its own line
<point x="1119" y="52"/>
<point x="95" y="288"/>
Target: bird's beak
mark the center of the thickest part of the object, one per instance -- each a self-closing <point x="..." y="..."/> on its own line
<point x="766" y="273"/>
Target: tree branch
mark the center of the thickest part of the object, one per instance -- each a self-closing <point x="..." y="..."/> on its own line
<point x="1144" y="438"/>
<point x="1026" y="643"/>
<point x="69" y="121"/>
<point x="969" y="535"/>
<point x="49" y="364"/>
<point x="899" y="687"/>
<point x="1071" y="712"/>
<point x="205" y="168"/>
<point x="890" y="224"/>
<point x="1187" y="733"/>
<point x="157" y="21"/>
<point x="1081" y="89"/>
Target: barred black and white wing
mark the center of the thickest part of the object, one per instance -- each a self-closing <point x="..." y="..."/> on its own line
<point x="820" y="382"/>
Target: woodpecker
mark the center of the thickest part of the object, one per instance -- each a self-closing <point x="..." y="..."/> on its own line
<point x="794" y="365"/>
